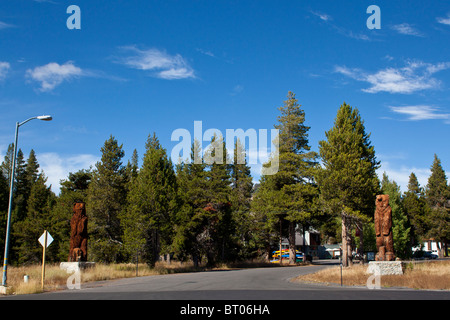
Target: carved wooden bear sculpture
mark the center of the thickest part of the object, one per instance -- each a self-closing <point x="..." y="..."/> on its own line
<point x="383" y="229"/>
<point x="78" y="233"/>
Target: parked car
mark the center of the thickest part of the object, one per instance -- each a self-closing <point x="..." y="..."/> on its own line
<point x="429" y="255"/>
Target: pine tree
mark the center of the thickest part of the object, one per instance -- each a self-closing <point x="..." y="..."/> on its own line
<point x="437" y="192"/>
<point x="32" y="168"/>
<point x="292" y="189"/>
<point x="438" y="198"/>
<point x="21" y="189"/>
<point x="39" y="217"/>
<point x="348" y="181"/>
<point x="106" y="199"/>
<point x="7" y="163"/>
<point x="148" y="223"/>
<point x="216" y="216"/>
<point x="416" y="209"/>
<point x="192" y="189"/>
<point x="4" y="197"/>
<point x="241" y="193"/>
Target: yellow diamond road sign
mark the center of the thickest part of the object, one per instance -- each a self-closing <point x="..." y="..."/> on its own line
<point x="42" y="239"/>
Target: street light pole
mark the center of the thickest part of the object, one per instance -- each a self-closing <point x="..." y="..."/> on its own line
<point x="11" y="192"/>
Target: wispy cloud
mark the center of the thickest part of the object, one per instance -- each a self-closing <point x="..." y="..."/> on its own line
<point x="445" y="20"/>
<point x="237" y="90"/>
<point x="4" y="25"/>
<point x="53" y="74"/>
<point x="164" y="65"/>
<point x="421" y="112"/>
<point x="407" y="29"/>
<point x="206" y="52"/>
<point x="415" y="76"/>
<point x="322" y="16"/>
<point x="343" y="31"/>
<point x="4" y="68"/>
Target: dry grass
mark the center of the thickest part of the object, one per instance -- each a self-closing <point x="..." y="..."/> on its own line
<point x="56" y="279"/>
<point x="429" y="275"/>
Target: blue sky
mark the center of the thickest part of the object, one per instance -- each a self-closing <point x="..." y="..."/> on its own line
<point x="138" y="67"/>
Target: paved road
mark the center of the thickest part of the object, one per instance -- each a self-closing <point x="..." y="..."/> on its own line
<point x="246" y="284"/>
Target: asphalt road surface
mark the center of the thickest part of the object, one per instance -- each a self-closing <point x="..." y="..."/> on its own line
<point x="246" y="284"/>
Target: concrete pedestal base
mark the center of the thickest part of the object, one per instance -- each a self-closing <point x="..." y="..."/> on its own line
<point x="3" y="290"/>
<point x="383" y="268"/>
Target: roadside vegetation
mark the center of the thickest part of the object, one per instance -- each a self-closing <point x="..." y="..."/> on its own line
<point x="56" y="278"/>
<point x="430" y="275"/>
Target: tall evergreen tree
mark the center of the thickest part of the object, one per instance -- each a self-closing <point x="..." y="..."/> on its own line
<point x="7" y="163"/>
<point x="416" y="209"/>
<point x="241" y="193"/>
<point x="438" y="198"/>
<point x="4" y="197"/>
<point x="193" y="184"/>
<point x="292" y="189"/>
<point x="106" y="199"/>
<point x="437" y="191"/>
<point x="348" y="181"/>
<point x="148" y="222"/>
<point x="217" y="220"/>
<point x="21" y="189"/>
<point x="39" y="217"/>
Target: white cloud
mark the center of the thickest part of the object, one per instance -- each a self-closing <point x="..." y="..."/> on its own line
<point x="52" y="74"/>
<point x="237" y="90"/>
<point x="322" y="16"/>
<point x="407" y="29"/>
<point x="415" y="76"/>
<point x="401" y="174"/>
<point x="57" y="167"/>
<point x="4" y="68"/>
<point x="206" y="52"/>
<point x="445" y="20"/>
<point x="421" y="112"/>
<point x="165" y="66"/>
<point x="4" y="25"/>
<point x="341" y="30"/>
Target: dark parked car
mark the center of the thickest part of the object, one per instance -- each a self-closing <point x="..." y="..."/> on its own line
<point x="429" y="255"/>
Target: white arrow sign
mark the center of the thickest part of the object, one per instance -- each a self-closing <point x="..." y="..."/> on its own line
<point x="42" y="239"/>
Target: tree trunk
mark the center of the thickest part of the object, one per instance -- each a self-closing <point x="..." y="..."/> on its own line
<point x="346" y="242"/>
<point x="440" y="249"/>
<point x="281" y="246"/>
<point x="349" y="248"/>
<point x="292" y="256"/>
<point x="361" y="244"/>
<point x="304" y="242"/>
<point x="195" y="260"/>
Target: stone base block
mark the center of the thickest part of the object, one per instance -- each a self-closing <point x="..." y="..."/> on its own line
<point x="4" y="290"/>
<point x="383" y="268"/>
<point x="76" y="266"/>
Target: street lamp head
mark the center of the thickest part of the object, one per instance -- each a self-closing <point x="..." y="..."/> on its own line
<point x="45" y="118"/>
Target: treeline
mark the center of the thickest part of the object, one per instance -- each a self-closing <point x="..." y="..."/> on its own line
<point x="211" y="212"/>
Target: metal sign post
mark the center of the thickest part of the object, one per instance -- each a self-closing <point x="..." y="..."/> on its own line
<point x="45" y="240"/>
<point x="340" y="260"/>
